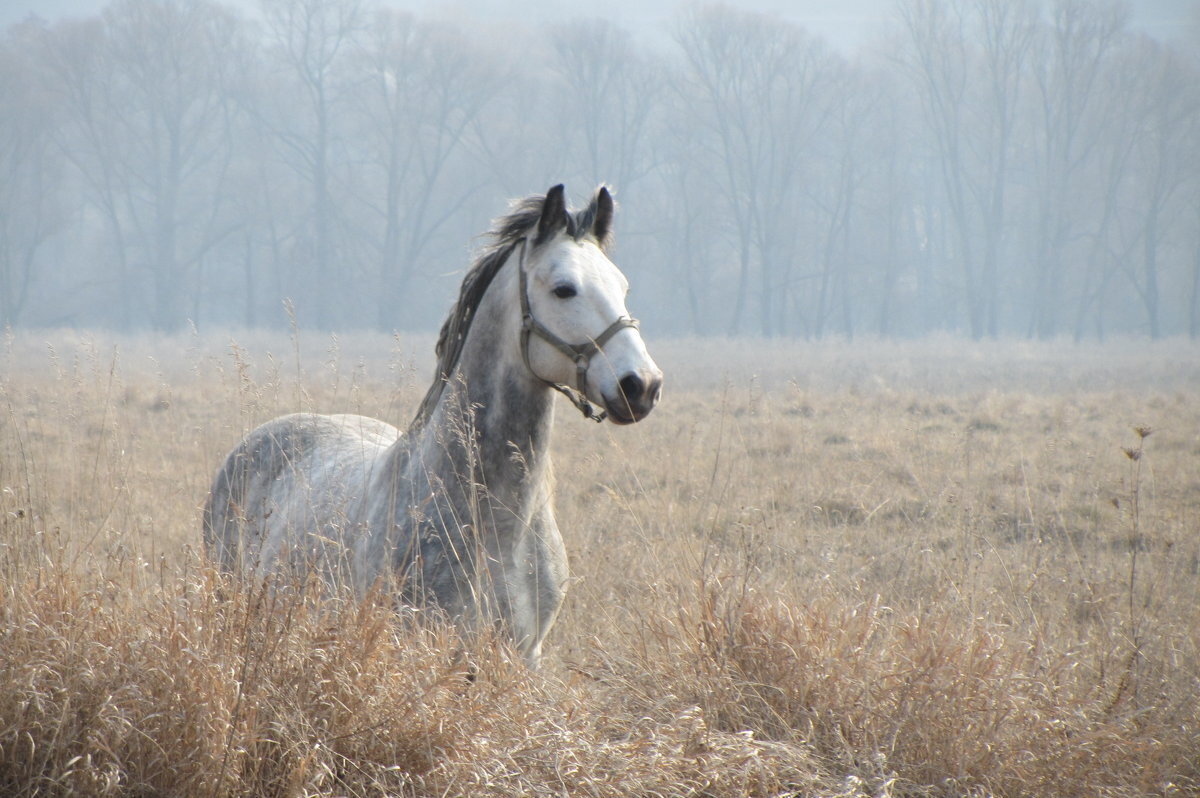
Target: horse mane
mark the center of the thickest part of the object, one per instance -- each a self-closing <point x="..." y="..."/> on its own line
<point x="505" y="236"/>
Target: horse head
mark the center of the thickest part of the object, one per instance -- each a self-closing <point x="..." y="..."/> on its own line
<point x="577" y="334"/>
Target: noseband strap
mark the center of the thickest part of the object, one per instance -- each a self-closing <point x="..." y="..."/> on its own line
<point x="580" y="354"/>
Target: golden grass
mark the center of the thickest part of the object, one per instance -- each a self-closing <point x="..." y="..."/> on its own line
<point x="878" y="568"/>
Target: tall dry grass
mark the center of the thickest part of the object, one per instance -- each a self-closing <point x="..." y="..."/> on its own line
<point x="876" y="568"/>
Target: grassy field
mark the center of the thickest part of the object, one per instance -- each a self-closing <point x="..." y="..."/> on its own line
<point x="834" y="569"/>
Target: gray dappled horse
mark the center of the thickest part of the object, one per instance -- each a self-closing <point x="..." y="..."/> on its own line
<point x="456" y="512"/>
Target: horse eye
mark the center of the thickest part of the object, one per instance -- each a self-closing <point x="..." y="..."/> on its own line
<point x="564" y="291"/>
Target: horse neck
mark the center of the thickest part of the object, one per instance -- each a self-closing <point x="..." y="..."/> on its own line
<point x="494" y="417"/>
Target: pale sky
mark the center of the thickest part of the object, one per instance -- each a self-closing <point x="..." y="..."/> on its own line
<point x="846" y="24"/>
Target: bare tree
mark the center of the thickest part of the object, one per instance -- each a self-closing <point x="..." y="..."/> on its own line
<point x="836" y="196"/>
<point x="1171" y="114"/>
<point x="422" y="88"/>
<point x="609" y="91"/>
<point x="938" y="62"/>
<point x="1111" y="240"/>
<point x="692" y="244"/>
<point x="79" y="75"/>
<point x="888" y="199"/>
<point x="144" y="94"/>
<point x="1007" y="29"/>
<point x="1069" y="62"/>
<point x="1029" y="167"/>
<point x="750" y="82"/>
<point x="967" y="59"/>
<point x="308" y="40"/>
<point x="1193" y="310"/>
<point x="32" y="205"/>
<point x="1193" y="214"/>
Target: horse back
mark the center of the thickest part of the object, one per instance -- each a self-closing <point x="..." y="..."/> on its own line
<point x="273" y="487"/>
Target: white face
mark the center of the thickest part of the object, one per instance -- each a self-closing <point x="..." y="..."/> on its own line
<point x="577" y="293"/>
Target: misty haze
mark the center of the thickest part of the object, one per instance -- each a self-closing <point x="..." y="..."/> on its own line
<point x="985" y="168"/>
<point x="917" y="283"/>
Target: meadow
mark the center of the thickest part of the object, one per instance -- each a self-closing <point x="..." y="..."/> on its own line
<point x="869" y="568"/>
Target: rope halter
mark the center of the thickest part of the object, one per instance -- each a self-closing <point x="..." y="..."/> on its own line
<point x="580" y="354"/>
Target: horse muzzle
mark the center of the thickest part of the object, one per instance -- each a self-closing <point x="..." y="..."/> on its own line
<point x="637" y="394"/>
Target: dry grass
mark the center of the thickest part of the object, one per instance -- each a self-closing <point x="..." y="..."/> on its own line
<point x="843" y="569"/>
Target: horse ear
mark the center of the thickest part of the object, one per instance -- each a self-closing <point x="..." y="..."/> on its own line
<point x="554" y="214"/>
<point x="602" y="223"/>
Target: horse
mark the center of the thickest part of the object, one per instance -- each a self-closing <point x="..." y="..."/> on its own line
<point x="455" y="513"/>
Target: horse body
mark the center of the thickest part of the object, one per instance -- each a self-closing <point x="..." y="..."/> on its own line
<point x="457" y="511"/>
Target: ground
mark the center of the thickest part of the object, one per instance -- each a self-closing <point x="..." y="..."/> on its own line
<point x="831" y="568"/>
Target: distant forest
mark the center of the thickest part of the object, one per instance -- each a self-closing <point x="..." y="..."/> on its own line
<point x="990" y="168"/>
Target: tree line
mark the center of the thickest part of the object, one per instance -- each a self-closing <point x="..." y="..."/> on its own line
<point x="989" y="168"/>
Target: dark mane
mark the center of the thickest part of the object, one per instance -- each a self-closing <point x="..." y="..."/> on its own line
<point x="505" y="236"/>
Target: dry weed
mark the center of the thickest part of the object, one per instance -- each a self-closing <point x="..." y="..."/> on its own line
<point x="848" y="569"/>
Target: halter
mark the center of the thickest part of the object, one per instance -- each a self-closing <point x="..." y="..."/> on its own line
<point x="581" y="354"/>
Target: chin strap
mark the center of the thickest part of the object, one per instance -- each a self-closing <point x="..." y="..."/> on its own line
<point x="580" y="354"/>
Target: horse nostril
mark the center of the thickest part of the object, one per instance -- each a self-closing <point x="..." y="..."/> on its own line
<point x="632" y="387"/>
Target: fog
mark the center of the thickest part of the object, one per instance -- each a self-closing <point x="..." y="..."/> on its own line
<point x="987" y="168"/>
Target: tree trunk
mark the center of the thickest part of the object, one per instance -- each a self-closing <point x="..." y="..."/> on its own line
<point x="1194" y="310"/>
<point x="251" y="299"/>
<point x="1150" y="264"/>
